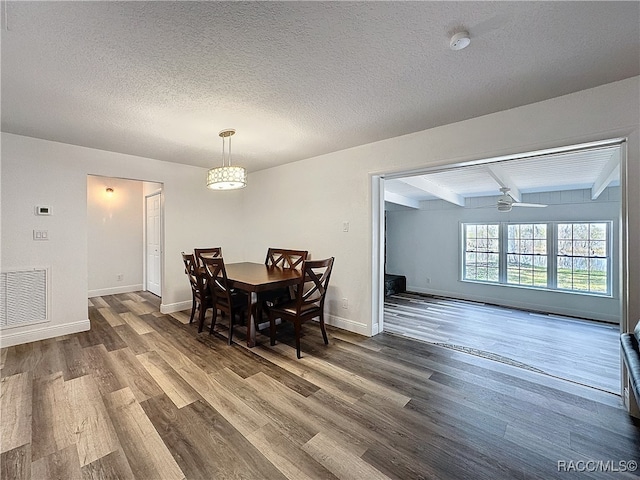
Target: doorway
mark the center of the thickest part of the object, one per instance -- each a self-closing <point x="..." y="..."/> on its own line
<point x="117" y="235"/>
<point x="426" y="279"/>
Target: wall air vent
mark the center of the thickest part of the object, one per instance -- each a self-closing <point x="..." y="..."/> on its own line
<point x="24" y="297"/>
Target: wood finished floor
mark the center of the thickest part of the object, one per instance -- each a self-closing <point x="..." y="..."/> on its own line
<point x="578" y="350"/>
<point x="142" y="395"/>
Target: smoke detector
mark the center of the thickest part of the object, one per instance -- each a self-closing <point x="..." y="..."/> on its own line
<point x="459" y="41"/>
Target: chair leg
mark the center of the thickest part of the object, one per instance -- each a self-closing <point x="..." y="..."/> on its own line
<point x="193" y="307"/>
<point x="297" y="328"/>
<point x="213" y="319"/>
<point x="201" y="312"/>
<point x="272" y="329"/>
<point x="230" y="326"/>
<point x="324" y="332"/>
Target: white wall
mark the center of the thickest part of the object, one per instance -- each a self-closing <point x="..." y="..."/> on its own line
<point x="42" y="172"/>
<point x="426" y="243"/>
<point x="299" y="205"/>
<point x="316" y="195"/>
<point x="115" y="226"/>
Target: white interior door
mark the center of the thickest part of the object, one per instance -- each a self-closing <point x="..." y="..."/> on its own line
<point x="153" y="245"/>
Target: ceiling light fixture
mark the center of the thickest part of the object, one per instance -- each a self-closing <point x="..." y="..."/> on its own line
<point x="109" y="191"/>
<point x="459" y="41"/>
<point x="226" y="177"/>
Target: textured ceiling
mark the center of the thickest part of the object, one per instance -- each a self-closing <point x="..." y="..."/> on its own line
<point x="295" y="79"/>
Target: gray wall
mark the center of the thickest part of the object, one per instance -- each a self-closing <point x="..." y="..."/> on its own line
<point x="425" y="244"/>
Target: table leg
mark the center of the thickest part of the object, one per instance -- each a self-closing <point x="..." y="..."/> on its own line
<point x="251" y="325"/>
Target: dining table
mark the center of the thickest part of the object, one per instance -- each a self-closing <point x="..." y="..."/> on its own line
<point x="254" y="278"/>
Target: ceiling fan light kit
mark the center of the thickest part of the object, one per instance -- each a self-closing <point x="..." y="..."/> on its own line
<point x="506" y="202"/>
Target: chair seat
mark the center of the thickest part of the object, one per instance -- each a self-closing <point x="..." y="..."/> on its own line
<point x="290" y="308"/>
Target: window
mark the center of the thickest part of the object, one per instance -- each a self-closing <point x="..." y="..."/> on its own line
<point x="582" y="257"/>
<point x="482" y="246"/>
<point x="527" y="254"/>
<point x="552" y="255"/>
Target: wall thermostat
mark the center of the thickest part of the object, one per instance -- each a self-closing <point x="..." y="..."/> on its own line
<point x="43" y="210"/>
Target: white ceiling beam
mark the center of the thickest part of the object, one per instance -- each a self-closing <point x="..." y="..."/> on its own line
<point x="609" y="172"/>
<point x="401" y="200"/>
<point x="504" y="180"/>
<point x="435" y="189"/>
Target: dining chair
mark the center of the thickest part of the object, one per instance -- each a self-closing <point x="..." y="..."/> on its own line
<point x="283" y="258"/>
<point x="308" y="302"/>
<point x="200" y="294"/>
<point x="224" y="299"/>
<point x="212" y="252"/>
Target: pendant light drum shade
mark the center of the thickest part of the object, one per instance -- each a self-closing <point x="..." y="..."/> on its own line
<point x="226" y="177"/>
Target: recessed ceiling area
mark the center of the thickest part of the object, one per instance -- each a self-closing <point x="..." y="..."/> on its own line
<point x="295" y="79"/>
<point x="595" y="168"/>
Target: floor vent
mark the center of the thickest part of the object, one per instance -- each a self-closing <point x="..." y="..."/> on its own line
<point x="23" y="297"/>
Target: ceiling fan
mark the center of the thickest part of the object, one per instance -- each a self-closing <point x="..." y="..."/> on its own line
<point x="506" y="202"/>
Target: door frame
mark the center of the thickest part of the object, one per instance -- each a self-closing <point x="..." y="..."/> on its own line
<point x="144" y="240"/>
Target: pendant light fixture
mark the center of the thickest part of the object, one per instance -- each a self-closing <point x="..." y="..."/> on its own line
<point x="226" y="177"/>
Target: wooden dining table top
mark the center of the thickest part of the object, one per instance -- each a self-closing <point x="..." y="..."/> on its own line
<point x="258" y="277"/>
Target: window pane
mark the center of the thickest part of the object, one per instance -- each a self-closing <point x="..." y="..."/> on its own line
<point x="598" y="231"/>
<point x="565" y="231"/>
<point x="580" y="248"/>
<point x="529" y="242"/>
<point x="581" y="231"/>
<point x="540" y="247"/>
<point x="583" y="257"/>
<point x="565" y="247"/>
<point x="598" y="248"/>
<point x="540" y="230"/>
<point x="526" y="246"/>
<point x="471" y="231"/>
<point x="526" y="231"/>
<point x="481" y="255"/>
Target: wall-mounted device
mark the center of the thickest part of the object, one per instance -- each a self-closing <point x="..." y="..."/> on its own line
<point x="43" y="210"/>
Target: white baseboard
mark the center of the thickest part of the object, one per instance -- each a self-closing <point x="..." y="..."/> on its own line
<point x="175" y="307"/>
<point x="534" y="307"/>
<point x="349" y="325"/>
<point x="115" y="290"/>
<point x="8" y="339"/>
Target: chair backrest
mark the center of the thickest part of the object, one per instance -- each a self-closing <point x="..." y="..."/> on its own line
<point x="313" y="287"/>
<point x="216" y="275"/>
<point x="190" y="268"/>
<point x="280" y="257"/>
<point x="212" y="252"/>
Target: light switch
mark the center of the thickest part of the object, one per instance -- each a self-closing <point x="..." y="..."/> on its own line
<point x="41" y="235"/>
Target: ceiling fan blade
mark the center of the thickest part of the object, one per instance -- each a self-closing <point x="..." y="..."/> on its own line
<point x="489" y="205"/>
<point x="520" y="204"/>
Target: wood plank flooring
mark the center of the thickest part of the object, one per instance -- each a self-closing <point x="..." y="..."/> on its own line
<point x="580" y="351"/>
<point x="143" y="396"/>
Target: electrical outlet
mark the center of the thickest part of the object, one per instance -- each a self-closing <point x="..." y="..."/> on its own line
<point x="428" y="280"/>
<point x="345" y="303"/>
<point x="345" y="226"/>
<point x="120" y="277"/>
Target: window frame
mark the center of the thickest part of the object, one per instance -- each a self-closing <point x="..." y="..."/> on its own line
<point x="551" y="255"/>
